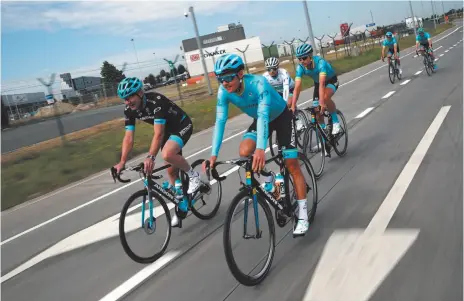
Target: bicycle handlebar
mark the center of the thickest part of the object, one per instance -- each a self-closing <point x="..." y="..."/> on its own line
<point x="139" y="168"/>
<point x="238" y="162"/>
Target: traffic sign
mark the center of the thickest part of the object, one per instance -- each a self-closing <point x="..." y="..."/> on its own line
<point x="370" y="25"/>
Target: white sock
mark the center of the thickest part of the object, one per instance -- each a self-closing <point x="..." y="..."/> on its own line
<point x="191" y="173"/>
<point x="302" y="209"/>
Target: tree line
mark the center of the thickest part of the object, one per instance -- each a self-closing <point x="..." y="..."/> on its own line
<point x="110" y="74"/>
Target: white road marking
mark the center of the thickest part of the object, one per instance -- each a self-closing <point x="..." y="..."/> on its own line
<point x="388" y="94"/>
<point x="416" y="55"/>
<point x="436" y="59"/>
<point x="138" y="278"/>
<point x="405" y="82"/>
<point x="451" y="47"/>
<point x="446" y="50"/>
<point x="438" y="48"/>
<point x="364" y="113"/>
<point x="418" y="72"/>
<point x="354" y="262"/>
<point x="442" y="54"/>
<point x="122" y="187"/>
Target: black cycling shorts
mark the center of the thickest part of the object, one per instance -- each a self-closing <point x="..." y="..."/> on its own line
<point x="330" y="83"/>
<point x="180" y="135"/>
<point x="425" y="45"/>
<point x="286" y="135"/>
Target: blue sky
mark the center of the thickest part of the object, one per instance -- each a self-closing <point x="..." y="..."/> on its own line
<point x="39" y="38"/>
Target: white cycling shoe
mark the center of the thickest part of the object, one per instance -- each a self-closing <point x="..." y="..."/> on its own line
<point x="174" y="220"/>
<point x="301" y="228"/>
<point x="194" y="183"/>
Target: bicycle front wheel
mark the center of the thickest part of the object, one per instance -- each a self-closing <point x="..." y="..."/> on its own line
<point x="339" y="141"/>
<point x="249" y="268"/>
<point x="391" y="72"/>
<point x="137" y="233"/>
<point x="315" y="149"/>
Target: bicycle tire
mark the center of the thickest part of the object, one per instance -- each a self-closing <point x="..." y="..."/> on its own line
<point x="122" y="234"/>
<point x="216" y="207"/>
<point x="391" y="72"/>
<point x="398" y="74"/>
<point x="427" y="65"/>
<point x="241" y="277"/>
<point x="345" y="128"/>
<point x="309" y="169"/>
<point x="309" y="148"/>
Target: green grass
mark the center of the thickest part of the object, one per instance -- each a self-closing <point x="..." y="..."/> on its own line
<point x="29" y="174"/>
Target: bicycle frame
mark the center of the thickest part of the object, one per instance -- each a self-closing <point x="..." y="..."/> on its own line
<point x="254" y="188"/>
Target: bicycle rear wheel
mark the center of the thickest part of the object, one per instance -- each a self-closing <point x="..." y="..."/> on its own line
<point x="138" y="226"/>
<point x="248" y="274"/>
<point x="397" y="71"/>
<point x="315" y="149"/>
<point x="427" y="62"/>
<point x="206" y="201"/>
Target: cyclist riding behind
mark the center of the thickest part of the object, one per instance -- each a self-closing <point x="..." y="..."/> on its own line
<point x="393" y="48"/>
<point x="256" y="97"/>
<point x="325" y="83"/>
<point x="278" y="78"/>
<point x="172" y="129"/>
<point x="425" y="41"/>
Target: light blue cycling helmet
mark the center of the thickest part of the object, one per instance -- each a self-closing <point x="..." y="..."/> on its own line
<point x="420" y="30"/>
<point x="129" y="86"/>
<point x="304" y="50"/>
<point x="389" y="34"/>
<point x="228" y="62"/>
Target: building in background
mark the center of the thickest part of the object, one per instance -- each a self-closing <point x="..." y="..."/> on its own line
<point x="84" y="89"/>
<point x="23" y="105"/>
<point x="226" y="40"/>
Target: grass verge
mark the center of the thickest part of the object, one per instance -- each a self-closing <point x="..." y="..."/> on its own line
<point x="41" y="168"/>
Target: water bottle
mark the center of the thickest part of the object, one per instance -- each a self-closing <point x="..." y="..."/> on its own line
<point x="279" y="182"/>
<point x="180" y="196"/>
<point x="268" y="184"/>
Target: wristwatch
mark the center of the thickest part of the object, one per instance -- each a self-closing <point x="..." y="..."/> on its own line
<point x="151" y="157"/>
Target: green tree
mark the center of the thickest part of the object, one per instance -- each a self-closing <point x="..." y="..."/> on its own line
<point x="151" y="79"/>
<point x="110" y="73"/>
<point x="181" y="69"/>
<point x="162" y="73"/>
<point x="167" y="75"/>
<point x="145" y="81"/>
<point x="158" y="78"/>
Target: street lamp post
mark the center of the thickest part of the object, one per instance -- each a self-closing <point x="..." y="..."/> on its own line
<point x="202" y="59"/>
<point x="136" y="56"/>
<point x="413" y="18"/>
<point x="308" y="23"/>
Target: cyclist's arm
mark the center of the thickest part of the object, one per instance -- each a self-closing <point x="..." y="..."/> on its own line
<point x="429" y="39"/>
<point x="297" y="89"/>
<point x="286" y="91"/>
<point x="382" y="52"/>
<point x="128" y="140"/>
<point x="395" y="47"/>
<point x="222" y="112"/>
<point x="417" y="43"/>
<point x="264" y="105"/>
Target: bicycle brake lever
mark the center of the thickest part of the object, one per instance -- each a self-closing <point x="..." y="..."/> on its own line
<point x="113" y="173"/>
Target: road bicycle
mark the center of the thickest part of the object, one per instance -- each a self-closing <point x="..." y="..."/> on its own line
<point x="331" y="141"/>
<point x="149" y="216"/>
<point x="283" y="202"/>
<point x="393" y="70"/>
<point x="428" y="61"/>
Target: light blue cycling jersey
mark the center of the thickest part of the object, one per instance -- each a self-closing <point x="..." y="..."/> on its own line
<point x="424" y="39"/>
<point x="258" y="100"/>
<point x="321" y="66"/>
<point x="390" y="43"/>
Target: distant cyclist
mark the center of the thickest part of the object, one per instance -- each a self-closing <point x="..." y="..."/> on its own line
<point x="393" y="49"/>
<point x="278" y="78"/>
<point x="172" y="129"/>
<point x="425" y="41"/>
<point x="325" y="83"/>
<point x="256" y="97"/>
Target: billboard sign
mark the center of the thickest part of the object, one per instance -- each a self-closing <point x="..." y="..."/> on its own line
<point x="344" y="29"/>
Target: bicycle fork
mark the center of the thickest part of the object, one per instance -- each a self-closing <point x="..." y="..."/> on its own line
<point x="149" y="224"/>
<point x="255" y="209"/>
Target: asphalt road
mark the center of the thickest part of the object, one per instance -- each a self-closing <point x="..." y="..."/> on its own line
<point x="30" y="134"/>
<point x="77" y="255"/>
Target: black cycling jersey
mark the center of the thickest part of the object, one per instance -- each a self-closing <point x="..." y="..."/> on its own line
<point x="158" y="109"/>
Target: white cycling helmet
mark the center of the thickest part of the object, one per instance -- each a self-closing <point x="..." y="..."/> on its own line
<point x="271" y="62"/>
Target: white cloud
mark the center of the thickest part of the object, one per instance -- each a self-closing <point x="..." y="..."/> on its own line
<point x="122" y="18"/>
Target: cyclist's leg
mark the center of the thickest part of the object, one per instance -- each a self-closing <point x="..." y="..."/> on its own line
<point x="248" y="144"/>
<point x="286" y="136"/>
<point x="330" y="89"/>
<point x="172" y="153"/>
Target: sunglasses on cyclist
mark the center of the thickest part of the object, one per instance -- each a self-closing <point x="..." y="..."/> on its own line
<point x="271" y="69"/>
<point x="303" y="58"/>
<point x="226" y="78"/>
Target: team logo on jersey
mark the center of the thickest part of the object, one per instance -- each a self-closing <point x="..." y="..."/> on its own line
<point x="158" y="97"/>
<point x="157" y="109"/>
<point x="184" y="130"/>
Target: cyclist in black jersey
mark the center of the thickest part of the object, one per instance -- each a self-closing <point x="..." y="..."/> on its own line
<point x="172" y="129"/>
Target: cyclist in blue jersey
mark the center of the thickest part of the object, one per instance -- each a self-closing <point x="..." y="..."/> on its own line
<point x="425" y="41"/>
<point x="259" y="100"/>
<point x="172" y="129"/>
<point x="393" y="49"/>
<point x="325" y="83"/>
